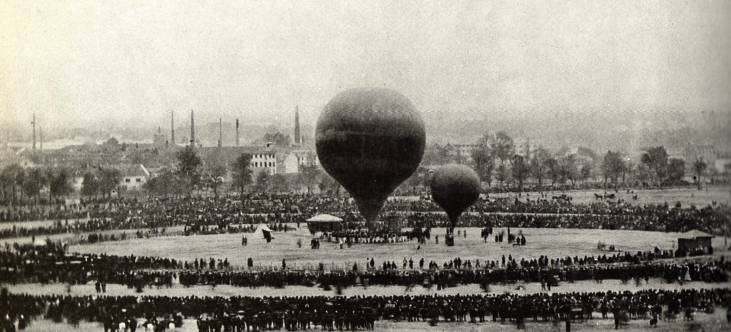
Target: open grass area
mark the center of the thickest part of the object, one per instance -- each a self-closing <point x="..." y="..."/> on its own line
<point x="540" y="241"/>
<point x="517" y="288"/>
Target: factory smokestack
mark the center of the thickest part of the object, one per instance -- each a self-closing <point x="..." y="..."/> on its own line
<point x="220" y="133"/>
<point x="172" y="127"/>
<point x="297" y="135"/>
<point x="192" y="129"/>
<point x="34" y="131"/>
<point x="237" y="132"/>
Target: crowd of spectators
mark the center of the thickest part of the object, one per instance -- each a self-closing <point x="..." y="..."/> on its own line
<point x="200" y="214"/>
<point x="352" y="313"/>
<point x="51" y="264"/>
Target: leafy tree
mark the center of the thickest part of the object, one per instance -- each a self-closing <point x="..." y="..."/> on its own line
<point x="110" y="178"/>
<point x="32" y="183"/>
<point x="553" y="170"/>
<point x="5" y="182"/>
<point x="328" y="184"/>
<point x="627" y="169"/>
<point x="585" y="171"/>
<point x="277" y="138"/>
<point x="216" y="174"/>
<point x="189" y="167"/>
<point x="241" y="172"/>
<point x="644" y="173"/>
<point x="587" y="152"/>
<point x="280" y="183"/>
<point x="502" y="173"/>
<point x="262" y="181"/>
<point x="414" y="180"/>
<point x="166" y="183"/>
<point x="484" y="163"/>
<point x="308" y="176"/>
<point x="519" y="170"/>
<point x="435" y="155"/>
<point x="14" y="176"/>
<point x="656" y="159"/>
<point x="568" y="169"/>
<point x="612" y="166"/>
<point x="61" y="184"/>
<point x="538" y="165"/>
<point x="699" y="167"/>
<point x="676" y="170"/>
<point x="503" y="146"/>
<point x="91" y="184"/>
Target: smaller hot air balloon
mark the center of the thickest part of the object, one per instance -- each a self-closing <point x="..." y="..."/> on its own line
<point x="454" y="188"/>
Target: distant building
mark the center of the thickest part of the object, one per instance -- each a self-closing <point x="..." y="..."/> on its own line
<point x="461" y="153"/>
<point x="707" y="152"/>
<point x="722" y="164"/>
<point x="263" y="161"/>
<point x="525" y="149"/>
<point x="133" y="177"/>
<point x="292" y="161"/>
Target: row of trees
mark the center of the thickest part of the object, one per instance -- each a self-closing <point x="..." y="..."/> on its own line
<point x="497" y="160"/>
<point x="101" y="182"/>
<point x="18" y="184"/>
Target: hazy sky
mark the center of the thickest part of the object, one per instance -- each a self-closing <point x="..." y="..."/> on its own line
<point x="79" y="63"/>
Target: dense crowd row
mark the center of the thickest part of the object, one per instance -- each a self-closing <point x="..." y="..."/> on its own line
<point x="675" y="220"/>
<point x="295" y="208"/>
<point x="49" y="264"/>
<point x="351" y="313"/>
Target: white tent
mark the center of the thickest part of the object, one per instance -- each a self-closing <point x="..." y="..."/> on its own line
<point x="325" y="218"/>
<point x="262" y="232"/>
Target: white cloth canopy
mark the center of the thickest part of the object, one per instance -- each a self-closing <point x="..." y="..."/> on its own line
<point x="325" y="218"/>
<point x="259" y="232"/>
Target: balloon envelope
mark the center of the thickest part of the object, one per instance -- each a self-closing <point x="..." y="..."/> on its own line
<point x="455" y="188"/>
<point x="370" y="140"/>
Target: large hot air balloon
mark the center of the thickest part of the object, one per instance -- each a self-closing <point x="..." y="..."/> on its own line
<point x="370" y="140"/>
<point x="455" y="188"/>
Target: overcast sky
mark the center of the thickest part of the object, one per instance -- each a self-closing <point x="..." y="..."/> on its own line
<point x="83" y="63"/>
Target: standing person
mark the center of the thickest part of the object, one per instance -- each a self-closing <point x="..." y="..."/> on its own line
<point x="284" y="264"/>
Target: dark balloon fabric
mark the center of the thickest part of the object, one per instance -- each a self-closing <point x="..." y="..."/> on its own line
<point x="455" y="188"/>
<point x="370" y="140"/>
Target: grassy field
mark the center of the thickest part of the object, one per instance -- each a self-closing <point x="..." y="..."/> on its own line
<point x="227" y="290"/>
<point x="551" y="242"/>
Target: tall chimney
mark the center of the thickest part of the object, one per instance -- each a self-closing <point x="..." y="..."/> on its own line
<point x="172" y="127"/>
<point x="237" y="132"/>
<point x="40" y="134"/>
<point x="34" y="131"/>
<point x="192" y="129"/>
<point x="220" y="133"/>
<point x="297" y="137"/>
